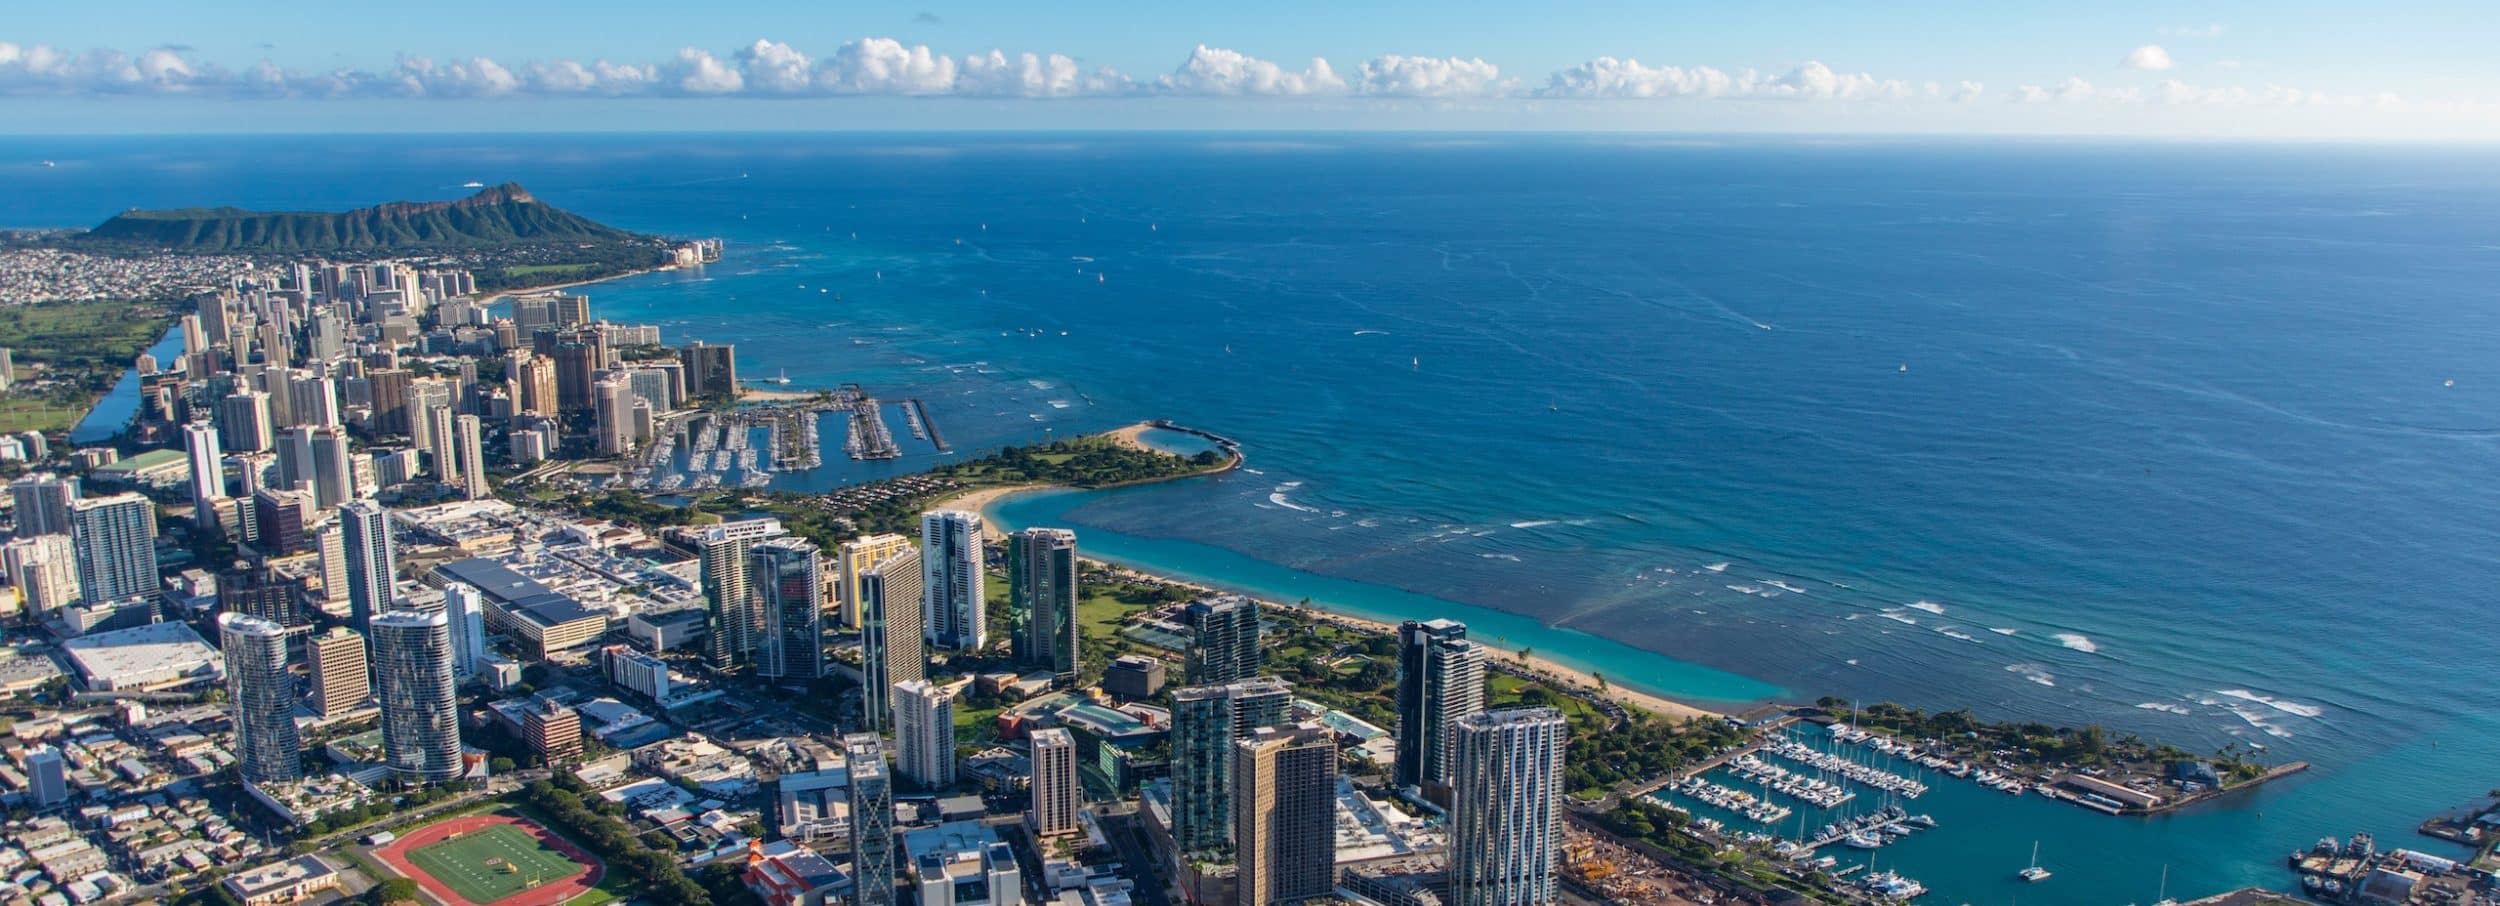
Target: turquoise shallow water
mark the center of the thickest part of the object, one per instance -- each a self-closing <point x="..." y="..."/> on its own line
<point x="2188" y="441"/>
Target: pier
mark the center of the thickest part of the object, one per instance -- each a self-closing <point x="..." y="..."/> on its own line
<point x="921" y="420"/>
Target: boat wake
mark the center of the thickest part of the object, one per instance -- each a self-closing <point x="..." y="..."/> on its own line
<point x="1277" y="497"/>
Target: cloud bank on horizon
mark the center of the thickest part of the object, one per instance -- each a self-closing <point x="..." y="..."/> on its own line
<point x="885" y="67"/>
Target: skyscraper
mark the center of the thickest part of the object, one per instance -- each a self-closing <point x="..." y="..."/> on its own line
<point x="434" y="439"/>
<point x="389" y="389"/>
<point x="208" y="472"/>
<point x="789" y="579"/>
<point x="924" y="733"/>
<point x="1225" y="639"/>
<point x="116" y="541"/>
<point x="711" y="371"/>
<point x="244" y="421"/>
<point x="1206" y="720"/>
<point x="1056" y="796"/>
<point x="468" y="447"/>
<point x="952" y="584"/>
<point x="1042" y="590"/>
<point x="577" y="360"/>
<point x="1506" y="807"/>
<point x="372" y="561"/>
<point x="891" y="649"/>
<point x="295" y="460"/>
<point x="872" y="820"/>
<point x="853" y="558"/>
<point x="1284" y="815"/>
<point x="334" y="467"/>
<point x="44" y="570"/>
<point x="261" y="592"/>
<point x="465" y="607"/>
<point x="340" y="678"/>
<point x="420" y="707"/>
<point x="312" y="400"/>
<point x="261" y="696"/>
<point x="1440" y="679"/>
<point x="613" y="398"/>
<point x="42" y="503"/>
<point x="729" y="591"/>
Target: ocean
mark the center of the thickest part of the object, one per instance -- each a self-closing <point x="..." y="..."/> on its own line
<point x="2185" y="440"/>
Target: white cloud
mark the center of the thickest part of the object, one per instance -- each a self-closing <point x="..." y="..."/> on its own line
<point x="2150" y="58"/>
<point x="696" y="71"/>
<point x="1968" y="91"/>
<point x="1817" y="82"/>
<point x="476" y="77"/>
<point x="1035" y="76"/>
<point x="885" y="66"/>
<point x="1221" y="72"/>
<point x="1401" y="76"/>
<point x="564" y="77"/>
<point x="774" y="67"/>
<point x="1607" y="77"/>
<point x="2072" y="89"/>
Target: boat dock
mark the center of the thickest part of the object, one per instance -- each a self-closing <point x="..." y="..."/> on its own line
<point x="1869" y="832"/>
<point x="870" y="438"/>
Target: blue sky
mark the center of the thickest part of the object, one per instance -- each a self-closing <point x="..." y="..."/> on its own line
<point x="2295" y="69"/>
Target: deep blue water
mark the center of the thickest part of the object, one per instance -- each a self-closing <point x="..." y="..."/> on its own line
<point x="2159" y="437"/>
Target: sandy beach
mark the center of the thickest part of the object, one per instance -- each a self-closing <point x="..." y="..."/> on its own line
<point x="759" y="395"/>
<point x="1132" y="436"/>
<point x="980" y="500"/>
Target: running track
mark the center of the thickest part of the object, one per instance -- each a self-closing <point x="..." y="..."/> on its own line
<point x="552" y="893"/>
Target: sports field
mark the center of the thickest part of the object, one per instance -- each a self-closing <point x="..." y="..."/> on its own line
<point x="493" y="859"/>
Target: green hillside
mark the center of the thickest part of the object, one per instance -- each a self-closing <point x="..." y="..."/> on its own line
<point x="502" y="216"/>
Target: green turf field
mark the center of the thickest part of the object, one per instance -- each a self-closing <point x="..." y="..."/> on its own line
<point x="464" y="863"/>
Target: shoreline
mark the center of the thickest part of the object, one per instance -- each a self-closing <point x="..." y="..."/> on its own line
<point x="983" y="500"/>
<point x="501" y="295"/>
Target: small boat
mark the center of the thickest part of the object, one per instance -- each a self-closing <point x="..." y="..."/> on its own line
<point x="1905" y="368"/>
<point x="2035" y="873"/>
<point x="48" y="164"/>
<point x="471" y="184"/>
<point x="1861" y="840"/>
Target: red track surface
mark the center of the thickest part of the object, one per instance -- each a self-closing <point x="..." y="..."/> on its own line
<point x="395" y="855"/>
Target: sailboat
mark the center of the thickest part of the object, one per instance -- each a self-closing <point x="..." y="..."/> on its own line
<point x="2035" y="873"/>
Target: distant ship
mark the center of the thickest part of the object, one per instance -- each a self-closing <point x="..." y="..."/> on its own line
<point x="473" y="184"/>
<point x="50" y="164"/>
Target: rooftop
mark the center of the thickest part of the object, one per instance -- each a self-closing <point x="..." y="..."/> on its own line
<point x="143" y="655"/>
<point x="494" y="580"/>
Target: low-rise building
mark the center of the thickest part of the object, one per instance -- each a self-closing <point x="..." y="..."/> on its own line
<point x="1134" y="677"/>
<point x="145" y="658"/>
<point x="291" y="881"/>
<point x="783" y="874"/>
